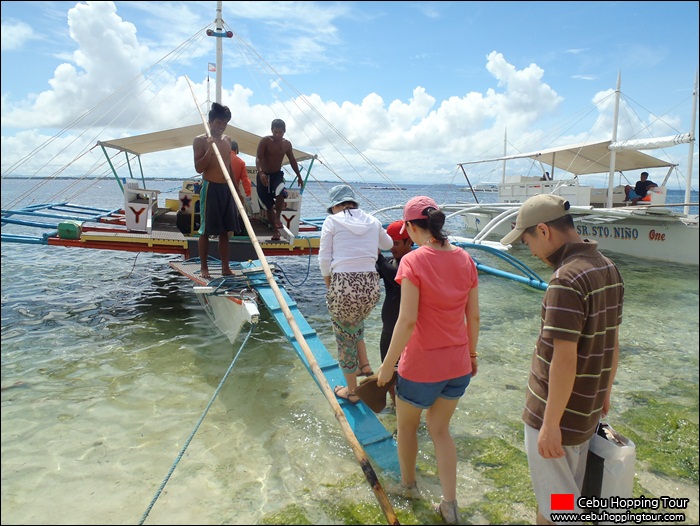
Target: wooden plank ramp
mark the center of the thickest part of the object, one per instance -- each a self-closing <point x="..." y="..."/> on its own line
<point x="377" y="442"/>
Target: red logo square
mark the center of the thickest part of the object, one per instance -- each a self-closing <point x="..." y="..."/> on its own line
<point x="562" y="501"/>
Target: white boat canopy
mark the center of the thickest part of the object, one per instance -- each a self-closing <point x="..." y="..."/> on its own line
<point x="181" y="137"/>
<point x="583" y="159"/>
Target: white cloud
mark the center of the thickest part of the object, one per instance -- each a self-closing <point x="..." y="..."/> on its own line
<point x="416" y="137"/>
<point x="15" y="34"/>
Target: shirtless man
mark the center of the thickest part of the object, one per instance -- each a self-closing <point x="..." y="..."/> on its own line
<point x="218" y="211"/>
<point x="270" y="179"/>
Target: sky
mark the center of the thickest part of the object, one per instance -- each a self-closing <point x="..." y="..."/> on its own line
<point x="390" y="92"/>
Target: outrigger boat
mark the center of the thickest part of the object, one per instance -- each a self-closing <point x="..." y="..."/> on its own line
<point x="655" y="230"/>
<point x="143" y="224"/>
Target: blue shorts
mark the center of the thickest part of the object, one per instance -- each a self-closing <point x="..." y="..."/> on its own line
<point x="633" y="195"/>
<point x="424" y="394"/>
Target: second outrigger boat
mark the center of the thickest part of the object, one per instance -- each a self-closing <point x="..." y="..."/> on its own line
<point x="654" y="230"/>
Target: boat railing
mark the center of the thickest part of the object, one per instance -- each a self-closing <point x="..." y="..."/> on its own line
<point x="501" y="218"/>
<point x="510" y="210"/>
<point x="527" y="275"/>
<point x="48" y="216"/>
<point x="519" y="191"/>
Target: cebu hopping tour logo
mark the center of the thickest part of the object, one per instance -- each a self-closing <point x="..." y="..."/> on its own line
<point x="616" y="510"/>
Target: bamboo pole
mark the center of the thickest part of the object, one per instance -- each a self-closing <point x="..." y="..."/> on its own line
<point x="357" y="449"/>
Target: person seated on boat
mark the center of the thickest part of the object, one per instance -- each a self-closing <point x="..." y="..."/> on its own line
<point x="640" y="190"/>
<point x="347" y="253"/>
<point x="218" y="211"/>
<point x="240" y="177"/>
<point x="270" y="178"/>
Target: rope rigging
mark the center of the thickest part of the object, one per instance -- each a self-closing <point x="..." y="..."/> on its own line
<point x="196" y="427"/>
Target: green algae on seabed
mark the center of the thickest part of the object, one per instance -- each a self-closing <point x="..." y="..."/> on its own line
<point x="506" y="465"/>
<point x="346" y="503"/>
<point x="339" y="504"/>
<point x="665" y="435"/>
<point x="346" y="510"/>
<point x="292" y="514"/>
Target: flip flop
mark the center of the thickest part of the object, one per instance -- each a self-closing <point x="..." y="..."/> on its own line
<point x="351" y="397"/>
<point x="365" y="373"/>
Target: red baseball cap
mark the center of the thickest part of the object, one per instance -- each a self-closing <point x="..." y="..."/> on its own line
<point x="396" y="231"/>
<point x="415" y="209"/>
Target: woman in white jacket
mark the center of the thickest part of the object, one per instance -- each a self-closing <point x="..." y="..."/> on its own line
<point x="350" y="242"/>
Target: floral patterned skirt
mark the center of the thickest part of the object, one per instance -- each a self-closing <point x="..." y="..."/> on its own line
<point x="350" y="299"/>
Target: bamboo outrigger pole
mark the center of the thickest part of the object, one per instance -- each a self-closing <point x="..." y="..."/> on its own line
<point x="357" y="449"/>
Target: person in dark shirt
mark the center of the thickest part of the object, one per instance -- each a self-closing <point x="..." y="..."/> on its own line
<point x="387" y="268"/>
<point x="644" y="184"/>
<point x="641" y="188"/>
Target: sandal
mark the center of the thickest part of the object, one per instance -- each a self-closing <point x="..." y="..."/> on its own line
<point x="449" y="511"/>
<point x="350" y="397"/>
<point x="410" y="491"/>
<point x="365" y="373"/>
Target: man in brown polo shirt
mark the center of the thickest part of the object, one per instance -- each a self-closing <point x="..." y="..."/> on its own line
<point x="576" y="354"/>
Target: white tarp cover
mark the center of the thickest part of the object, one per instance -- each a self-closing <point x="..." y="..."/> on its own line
<point x="582" y="159"/>
<point x="181" y="137"/>
<point x="652" y="144"/>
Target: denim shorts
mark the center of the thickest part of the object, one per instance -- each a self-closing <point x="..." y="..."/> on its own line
<point x="424" y="394"/>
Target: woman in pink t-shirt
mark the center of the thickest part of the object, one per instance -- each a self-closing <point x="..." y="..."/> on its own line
<point x="436" y="337"/>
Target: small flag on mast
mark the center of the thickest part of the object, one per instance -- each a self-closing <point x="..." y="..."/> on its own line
<point x="212" y="67"/>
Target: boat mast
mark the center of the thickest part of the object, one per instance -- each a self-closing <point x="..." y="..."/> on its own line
<point x="505" y="151"/>
<point x="691" y="147"/>
<point x="219" y="33"/>
<point x="611" y="175"/>
<point x="219" y="50"/>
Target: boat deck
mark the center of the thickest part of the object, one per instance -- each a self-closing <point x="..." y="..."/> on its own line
<point x="107" y="230"/>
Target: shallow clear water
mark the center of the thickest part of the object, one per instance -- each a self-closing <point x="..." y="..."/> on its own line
<point x="108" y="362"/>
